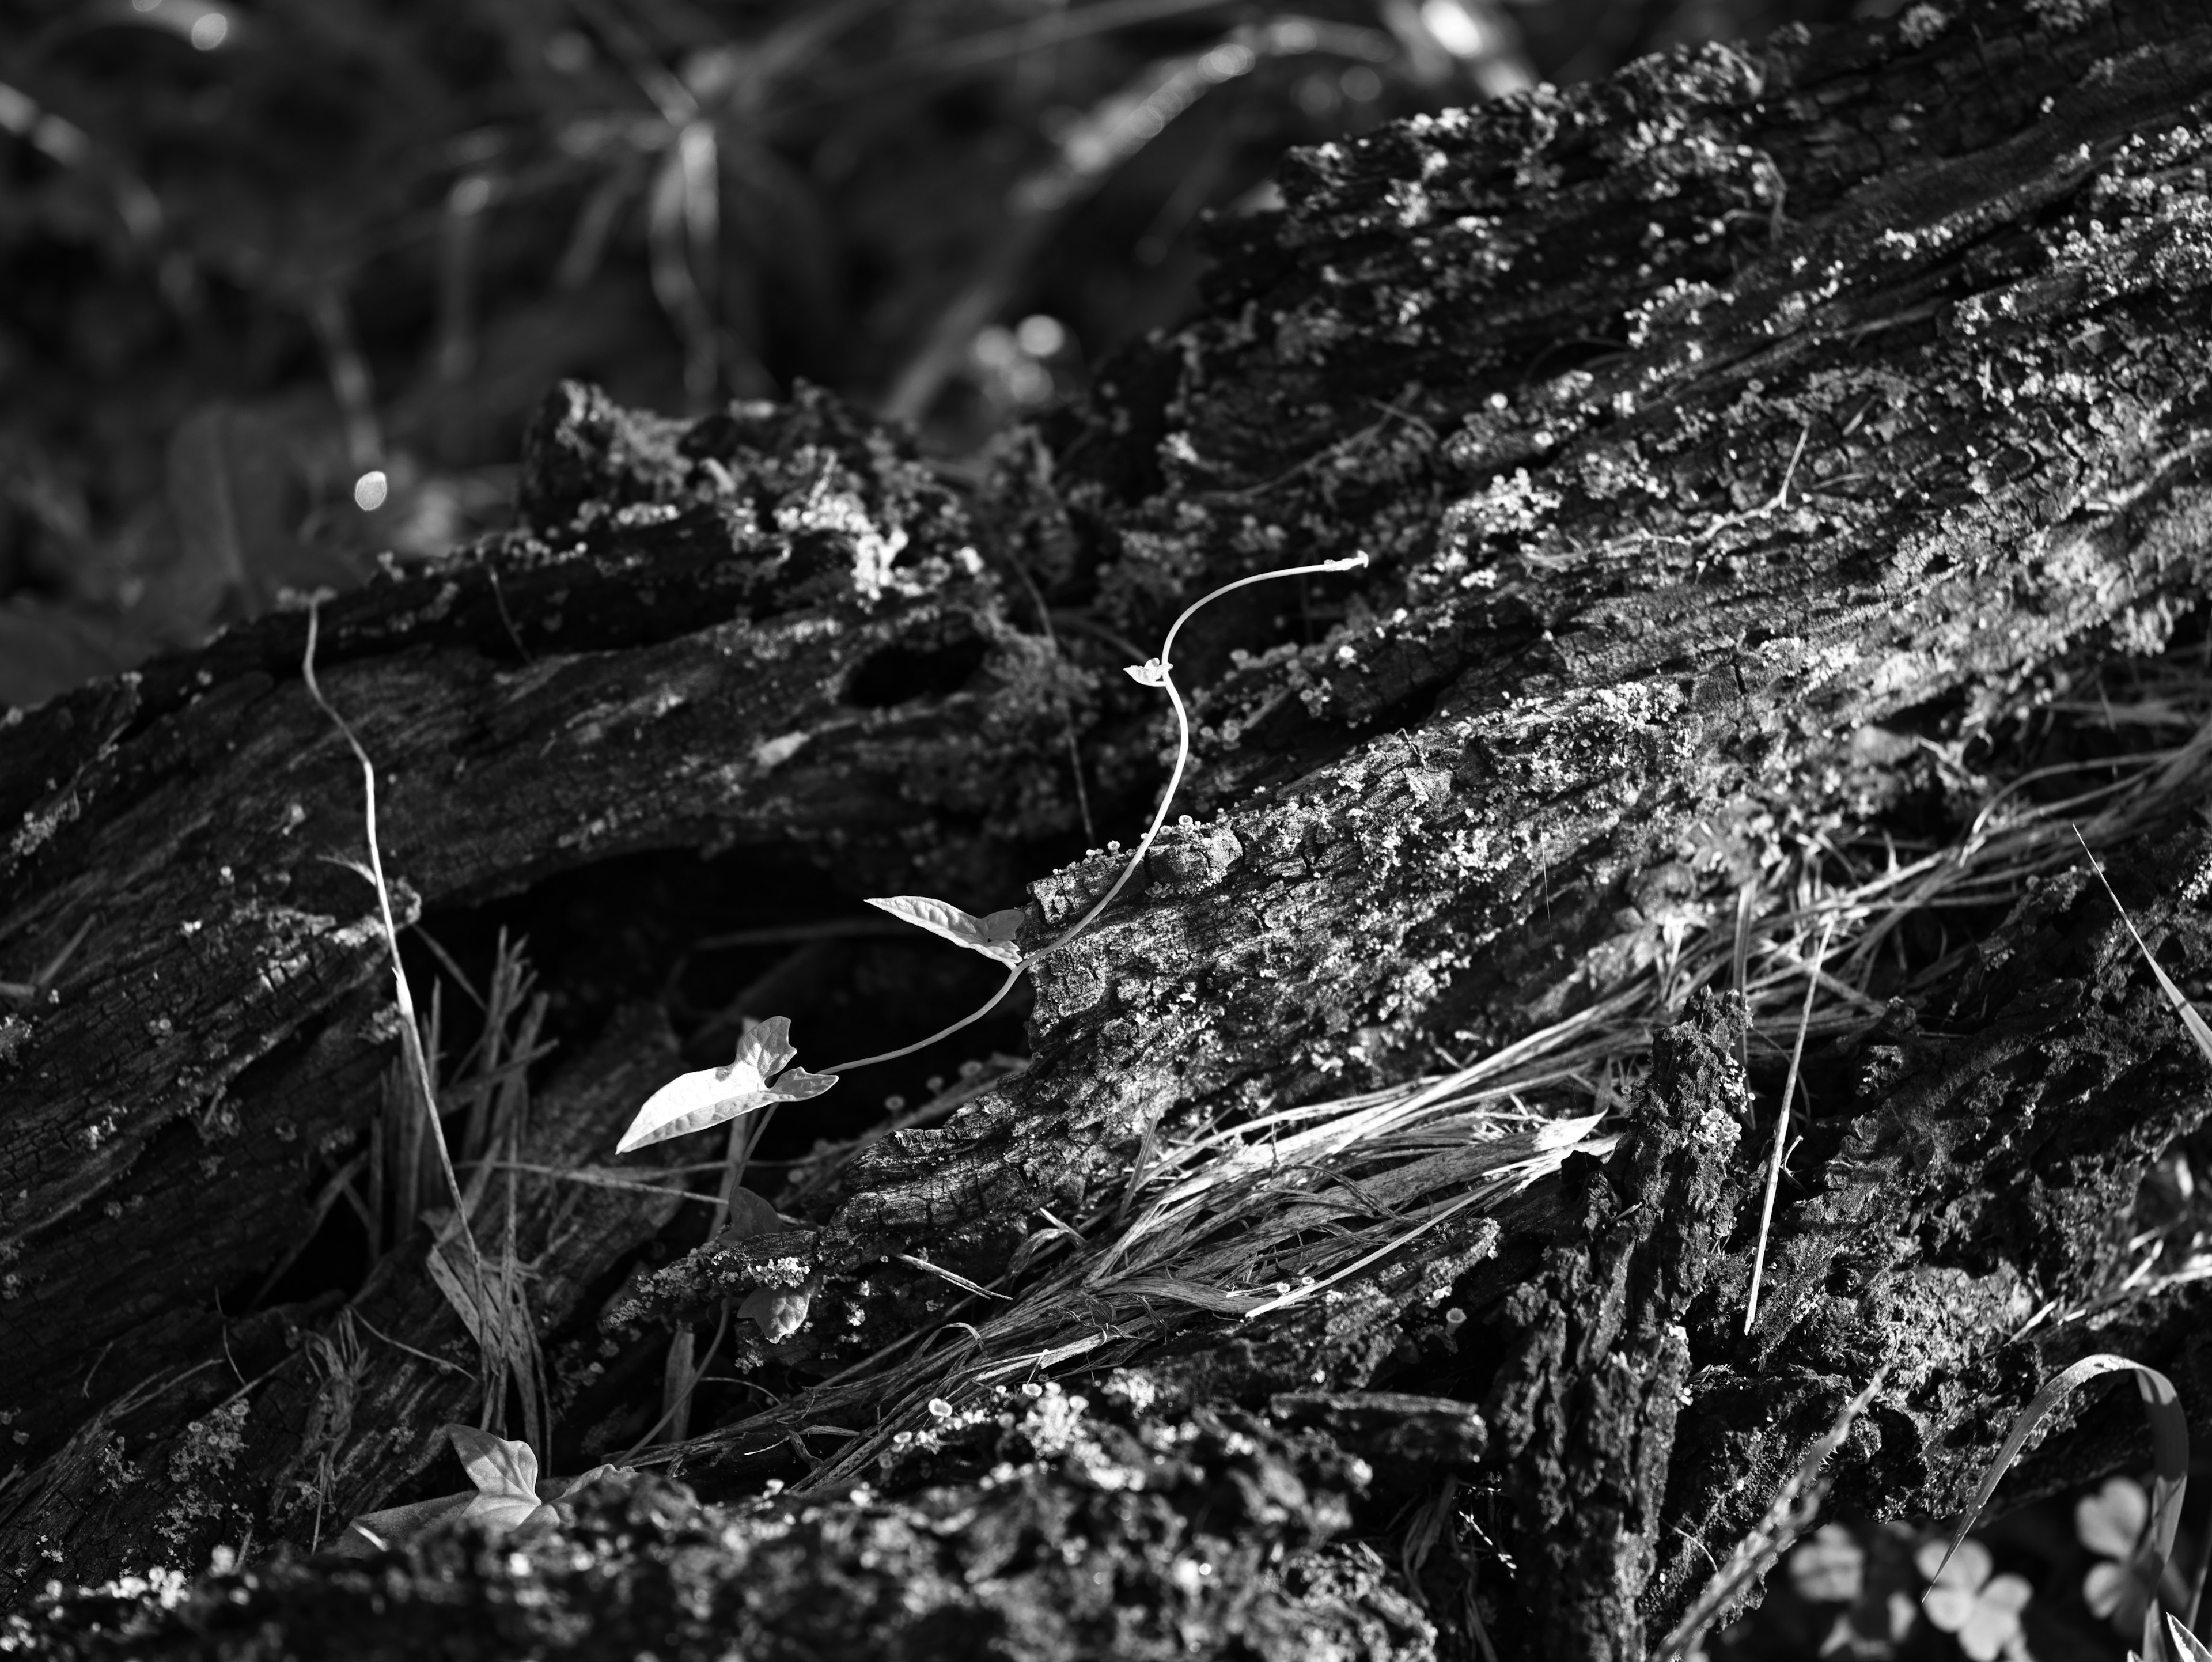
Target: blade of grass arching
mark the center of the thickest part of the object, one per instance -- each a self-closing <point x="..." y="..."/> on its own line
<point x="411" y="1037"/>
<point x="2169" y="1440"/>
<point x="1782" y="1127"/>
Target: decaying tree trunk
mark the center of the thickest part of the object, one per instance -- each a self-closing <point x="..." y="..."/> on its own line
<point x="1732" y="441"/>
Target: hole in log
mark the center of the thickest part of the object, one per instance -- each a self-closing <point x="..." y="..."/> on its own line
<point x="900" y="674"/>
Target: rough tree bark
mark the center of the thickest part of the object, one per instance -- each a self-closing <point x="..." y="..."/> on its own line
<point x="1728" y="437"/>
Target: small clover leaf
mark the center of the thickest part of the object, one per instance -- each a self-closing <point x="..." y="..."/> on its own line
<point x="760" y="1075"/>
<point x="1979" y="1609"/>
<point x="2110" y="1524"/>
<point x="993" y="935"/>
<point x="1866" y="1577"/>
<point x="1153" y="673"/>
<point x="1829" y="1568"/>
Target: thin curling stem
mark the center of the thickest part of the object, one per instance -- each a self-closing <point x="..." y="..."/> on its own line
<point x="1182" y="736"/>
<point x="1160" y="819"/>
<point x="1005" y="987"/>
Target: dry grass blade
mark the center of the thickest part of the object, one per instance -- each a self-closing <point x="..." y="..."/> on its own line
<point x="1781" y="1125"/>
<point x="1267" y="1223"/>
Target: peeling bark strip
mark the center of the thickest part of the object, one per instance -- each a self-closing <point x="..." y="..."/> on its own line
<point x="1731" y="438"/>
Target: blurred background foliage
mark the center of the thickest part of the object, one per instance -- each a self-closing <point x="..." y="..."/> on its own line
<point x="281" y="281"/>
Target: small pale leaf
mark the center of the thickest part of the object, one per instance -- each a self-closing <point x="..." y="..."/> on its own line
<point x="992" y="936"/>
<point x="1152" y="673"/>
<point x="496" y="1466"/>
<point x="2111" y="1521"/>
<point x="767" y="1048"/>
<point x="1829" y="1568"/>
<point x="779" y="1311"/>
<point x="692" y="1102"/>
<point x="506" y="1476"/>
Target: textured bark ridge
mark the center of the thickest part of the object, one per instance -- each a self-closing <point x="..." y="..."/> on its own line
<point x="1738" y="442"/>
<point x="1599" y="1356"/>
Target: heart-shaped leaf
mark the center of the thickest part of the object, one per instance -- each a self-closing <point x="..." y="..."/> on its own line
<point x="506" y="1497"/>
<point x="760" y="1075"/>
<point x="750" y="1215"/>
<point x="498" y="1467"/>
<point x="993" y="935"/>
